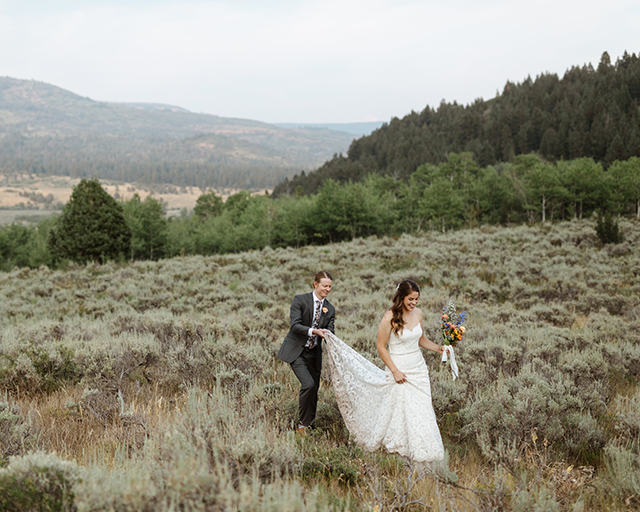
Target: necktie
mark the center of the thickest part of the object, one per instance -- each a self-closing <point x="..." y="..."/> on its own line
<point x="312" y="340"/>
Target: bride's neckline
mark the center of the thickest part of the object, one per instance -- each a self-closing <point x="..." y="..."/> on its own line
<point x="411" y="328"/>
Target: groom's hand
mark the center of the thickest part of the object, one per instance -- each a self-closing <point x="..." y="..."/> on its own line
<point x="321" y="332"/>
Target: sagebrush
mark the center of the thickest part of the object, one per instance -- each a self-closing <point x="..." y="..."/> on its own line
<point x="159" y="379"/>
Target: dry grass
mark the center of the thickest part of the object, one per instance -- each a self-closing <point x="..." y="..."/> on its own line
<point x="77" y="428"/>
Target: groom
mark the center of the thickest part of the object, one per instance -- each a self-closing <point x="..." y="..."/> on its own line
<point x="312" y="316"/>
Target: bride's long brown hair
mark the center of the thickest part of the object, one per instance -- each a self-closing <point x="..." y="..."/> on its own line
<point x="404" y="288"/>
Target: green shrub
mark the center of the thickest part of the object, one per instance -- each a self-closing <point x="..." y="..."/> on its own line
<point x="628" y="417"/>
<point x="38" y="481"/>
<point x="608" y="230"/>
<point x="541" y="500"/>
<point x="338" y="463"/>
<point x="623" y="469"/>
<point x="55" y="366"/>
<point x="493" y="493"/>
<point x="17" y="434"/>
<point x="214" y="423"/>
<point x="507" y="417"/>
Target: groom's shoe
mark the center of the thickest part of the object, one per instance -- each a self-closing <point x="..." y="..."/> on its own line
<point x="301" y="430"/>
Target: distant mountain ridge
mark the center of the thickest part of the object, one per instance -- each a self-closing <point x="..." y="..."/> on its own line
<point x="589" y="112"/>
<point x="47" y="130"/>
<point x="152" y="106"/>
<point x="359" y="129"/>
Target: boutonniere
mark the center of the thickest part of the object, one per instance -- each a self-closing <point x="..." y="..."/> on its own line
<point x="324" y="310"/>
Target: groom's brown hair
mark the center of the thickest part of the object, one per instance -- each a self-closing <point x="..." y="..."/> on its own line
<point x="323" y="274"/>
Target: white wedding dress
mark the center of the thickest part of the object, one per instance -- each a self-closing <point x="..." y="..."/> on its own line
<point x="377" y="410"/>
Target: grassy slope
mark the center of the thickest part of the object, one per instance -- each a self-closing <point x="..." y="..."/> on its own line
<point x="178" y="356"/>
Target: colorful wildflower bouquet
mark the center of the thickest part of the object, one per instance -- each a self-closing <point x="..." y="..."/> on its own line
<point x="451" y="328"/>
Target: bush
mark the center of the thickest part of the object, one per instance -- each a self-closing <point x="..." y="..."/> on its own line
<point x="17" y="434"/>
<point x="628" y="417"/>
<point x="338" y="463"/>
<point x="38" y="481"/>
<point x="608" y="230"/>
<point x="623" y="470"/>
<point x="507" y="418"/>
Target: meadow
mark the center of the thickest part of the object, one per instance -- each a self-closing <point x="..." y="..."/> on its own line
<point x="154" y="385"/>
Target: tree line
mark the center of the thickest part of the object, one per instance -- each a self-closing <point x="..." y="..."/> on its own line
<point x="589" y="112"/>
<point x="143" y="160"/>
<point x="454" y="194"/>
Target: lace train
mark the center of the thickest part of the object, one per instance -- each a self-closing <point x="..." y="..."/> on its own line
<point x="380" y="412"/>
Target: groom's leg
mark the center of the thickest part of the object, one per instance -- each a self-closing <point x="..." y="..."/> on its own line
<point x="305" y="369"/>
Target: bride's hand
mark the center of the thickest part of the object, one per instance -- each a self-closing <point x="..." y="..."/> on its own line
<point x="399" y="376"/>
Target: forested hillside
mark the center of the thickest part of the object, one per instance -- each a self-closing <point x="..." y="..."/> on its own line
<point x="47" y="130"/>
<point x="589" y="112"/>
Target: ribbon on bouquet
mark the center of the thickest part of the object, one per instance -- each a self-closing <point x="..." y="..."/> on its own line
<point x="452" y="360"/>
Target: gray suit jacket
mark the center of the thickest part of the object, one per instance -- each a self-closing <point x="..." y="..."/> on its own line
<point x="301" y="320"/>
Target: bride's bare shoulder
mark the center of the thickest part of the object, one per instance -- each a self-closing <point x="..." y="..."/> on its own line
<point x="387" y="316"/>
<point x="385" y="324"/>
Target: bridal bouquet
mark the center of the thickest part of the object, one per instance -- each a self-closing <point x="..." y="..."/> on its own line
<point x="451" y="328"/>
<point x="451" y="331"/>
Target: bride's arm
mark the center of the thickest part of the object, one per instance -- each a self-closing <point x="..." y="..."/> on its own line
<point x="426" y="343"/>
<point x="430" y="345"/>
<point x="384" y="331"/>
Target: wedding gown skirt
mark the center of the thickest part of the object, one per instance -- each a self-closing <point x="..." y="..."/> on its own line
<point x="377" y="410"/>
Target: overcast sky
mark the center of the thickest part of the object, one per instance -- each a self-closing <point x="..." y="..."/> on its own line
<point x="305" y="61"/>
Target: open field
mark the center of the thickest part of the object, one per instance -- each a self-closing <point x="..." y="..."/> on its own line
<point x="31" y="198"/>
<point x="154" y="386"/>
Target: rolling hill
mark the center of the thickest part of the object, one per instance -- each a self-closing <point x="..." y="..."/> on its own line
<point x="48" y="130"/>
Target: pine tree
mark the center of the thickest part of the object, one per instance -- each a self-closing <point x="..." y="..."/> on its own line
<point x="91" y="227"/>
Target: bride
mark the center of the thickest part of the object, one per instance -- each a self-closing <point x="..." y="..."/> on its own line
<point x="390" y="408"/>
